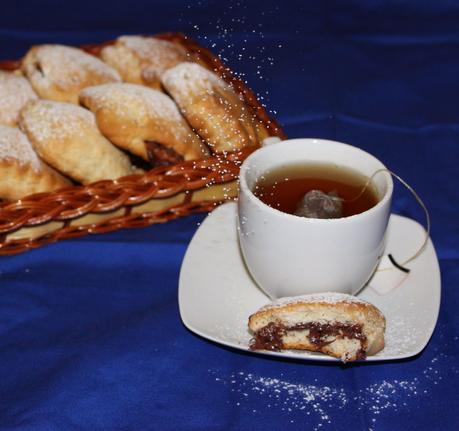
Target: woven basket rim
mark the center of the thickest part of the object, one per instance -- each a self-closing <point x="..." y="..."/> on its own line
<point x="158" y="183"/>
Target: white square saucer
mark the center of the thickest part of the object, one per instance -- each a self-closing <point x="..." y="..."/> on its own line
<point x="217" y="294"/>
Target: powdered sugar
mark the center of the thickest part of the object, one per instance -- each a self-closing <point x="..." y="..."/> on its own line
<point x="15" y="145"/>
<point x="143" y="59"/>
<point x="325" y="298"/>
<point x="401" y="335"/>
<point x="15" y="92"/>
<point x="318" y="404"/>
<point x="189" y="79"/>
<point x="211" y="106"/>
<point x="157" y="54"/>
<point x="49" y="121"/>
<point x="66" y="66"/>
<point x="125" y="98"/>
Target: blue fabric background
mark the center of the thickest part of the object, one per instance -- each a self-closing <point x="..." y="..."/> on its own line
<point x="91" y="337"/>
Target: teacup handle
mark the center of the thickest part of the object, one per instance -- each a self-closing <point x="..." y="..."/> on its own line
<point x="401" y="266"/>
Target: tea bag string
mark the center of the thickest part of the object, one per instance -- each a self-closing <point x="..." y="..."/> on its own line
<point x="401" y="266"/>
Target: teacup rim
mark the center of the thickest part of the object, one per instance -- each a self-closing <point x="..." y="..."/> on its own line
<point x="298" y="219"/>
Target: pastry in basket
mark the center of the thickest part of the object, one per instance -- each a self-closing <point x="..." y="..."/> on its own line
<point x="211" y="106"/>
<point x="143" y="121"/>
<point x="59" y="72"/>
<point x="66" y="136"/>
<point x="21" y="171"/>
<point x="336" y="324"/>
<point x="142" y="60"/>
<point x="15" y="92"/>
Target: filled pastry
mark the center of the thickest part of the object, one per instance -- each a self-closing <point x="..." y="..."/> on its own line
<point x="59" y="72"/>
<point x="143" y="121"/>
<point x="142" y="60"/>
<point x="21" y="171"/>
<point x="66" y="137"/>
<point x="211" y="106"/>
<point x="336" y="324"/>
<point x="15" y="92"/>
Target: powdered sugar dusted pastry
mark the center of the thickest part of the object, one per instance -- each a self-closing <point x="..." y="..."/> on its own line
<point x="66" y="136"/>
<point x="211" y="106"/>
<point x="336" y="324"/>
<point x="59" y="72"/>
<point x="142" y="60"/>
<point x="15" y="92"/>
<point x="143" y="121"/>
<point x="21" y="171"/>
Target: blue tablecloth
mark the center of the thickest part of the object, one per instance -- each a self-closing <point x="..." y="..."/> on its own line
<point x="91" y="337"/>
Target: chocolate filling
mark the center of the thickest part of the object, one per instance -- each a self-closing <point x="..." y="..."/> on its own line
<point x="39" y="68"/>
<point x="270" y="336"/>
<point x="159" y="155"/>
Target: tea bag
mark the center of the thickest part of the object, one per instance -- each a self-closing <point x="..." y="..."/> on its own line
<point x="317" y="204"/>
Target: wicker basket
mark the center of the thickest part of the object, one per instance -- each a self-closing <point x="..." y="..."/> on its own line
<point x="157" y="196"/>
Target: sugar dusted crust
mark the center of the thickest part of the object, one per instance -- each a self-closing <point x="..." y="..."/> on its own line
<point x="142" y="60"/>
<point x="67" y="138"/>
<point x="296" y="318"/>
<point x="191" y="78"/>
<point x="15" y="92"/>
<point x="325" y="298"/>
<point x="15" y="145"/>
<point x="59" y="72"/>
<point x="130" y="99"/>
<point x="211" y="106"/>
<point x="21" y="171"/>
<point x="130" y="115"/>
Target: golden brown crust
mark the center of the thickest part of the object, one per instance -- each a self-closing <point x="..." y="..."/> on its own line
<point x="15" y="92"/>
<point x="130" y="115"/>
<point x="66" y="137"/>
<point x="59" y="72"/>
<point x="357" y="311"/>
<point x="17" y="181"/>
<point x="211" y="106"/>
<point x="21" y="171"/>
<point x="142" y="60"/>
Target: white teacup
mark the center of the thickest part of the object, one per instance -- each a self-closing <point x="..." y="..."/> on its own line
<point x="289" y="255"/>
